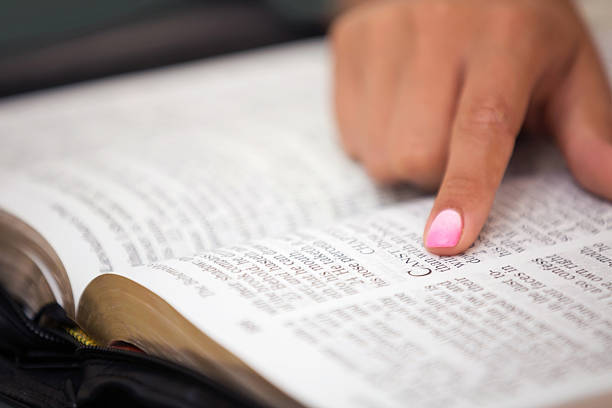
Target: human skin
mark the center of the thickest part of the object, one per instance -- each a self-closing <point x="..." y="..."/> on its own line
<point x="435" y="92"/>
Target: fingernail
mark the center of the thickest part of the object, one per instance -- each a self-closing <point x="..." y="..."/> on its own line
<point x="445" y="230"/>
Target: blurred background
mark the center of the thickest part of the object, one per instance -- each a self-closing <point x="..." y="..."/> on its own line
<point x="46" y="43"/>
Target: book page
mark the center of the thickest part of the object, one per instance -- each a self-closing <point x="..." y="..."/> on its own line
<point x="155" y="166"/>
<point x="357" y="314"/>
<point x="126" y="171"/>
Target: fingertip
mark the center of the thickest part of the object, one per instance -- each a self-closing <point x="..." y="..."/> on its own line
<point x="454" y="225"/>
<point x="378" y="170"/>
<point x="445" y="229"/>
<point x="445" y="232"/>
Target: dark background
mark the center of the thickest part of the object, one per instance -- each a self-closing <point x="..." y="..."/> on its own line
<point x="48" y="43"/>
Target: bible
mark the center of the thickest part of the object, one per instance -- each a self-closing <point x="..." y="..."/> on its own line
<point x="205" y="214"/>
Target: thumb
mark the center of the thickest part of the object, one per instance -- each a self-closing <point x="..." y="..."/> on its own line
<point x="580" y="116"/>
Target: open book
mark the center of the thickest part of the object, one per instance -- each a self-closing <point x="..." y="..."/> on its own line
<point x="206" y="214"/>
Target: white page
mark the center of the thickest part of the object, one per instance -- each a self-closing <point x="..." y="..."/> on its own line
<point x="154" y="166"/>
<point x="78" y="135"/>
<point x="52" y="127"/>
<point x="359" y="315"/>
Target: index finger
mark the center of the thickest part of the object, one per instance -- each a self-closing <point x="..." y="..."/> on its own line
<point x="490" y="113"/>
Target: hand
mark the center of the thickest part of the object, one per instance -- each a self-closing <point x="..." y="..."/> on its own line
<point x="434" y="92"/>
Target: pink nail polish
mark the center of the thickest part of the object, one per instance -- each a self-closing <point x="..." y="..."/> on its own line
<point x="445" y="230"/>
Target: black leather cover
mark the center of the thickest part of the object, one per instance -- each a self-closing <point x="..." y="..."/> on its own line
<point x="42" y="366"/>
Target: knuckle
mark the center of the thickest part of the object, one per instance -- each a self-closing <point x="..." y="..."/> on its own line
<point x="469" y="190"/>
<point x="348" y="145"/>
<point x="378" y="170"/>
<point x="510" y="13"/>
<point x="423" y="166"/>
<point x="435" y="9"/>
<point x="441" y="8"/>
<point x="344" y="29"/>
<point x="519" y="21"/>
<point x="384" y="24"/>
<point x="387" y="14"/>
<point x="491" y="115"/>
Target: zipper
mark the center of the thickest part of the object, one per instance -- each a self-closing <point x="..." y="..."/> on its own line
<point x="15" y="316"/>
<point x="44" y="335"/>
<point x="79" y="347"/>
<point x="40" y="354"/>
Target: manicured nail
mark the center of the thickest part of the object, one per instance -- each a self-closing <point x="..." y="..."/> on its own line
<point x="445" y="230"/>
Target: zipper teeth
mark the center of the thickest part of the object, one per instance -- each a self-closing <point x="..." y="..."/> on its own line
<point x="43" y="335"/>
<point x="81" y="346"/>
<point x="152" y="359"/>
<point x="31" y="327"/>
<point x="79" y="335"/>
